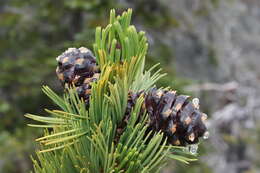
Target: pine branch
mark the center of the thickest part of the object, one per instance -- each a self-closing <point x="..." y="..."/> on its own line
<point x="103" y="121"/>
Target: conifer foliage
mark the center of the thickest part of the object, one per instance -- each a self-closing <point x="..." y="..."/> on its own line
<point x="111" y="117"/>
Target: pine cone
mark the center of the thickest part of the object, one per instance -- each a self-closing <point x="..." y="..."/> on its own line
<point x="74" y="65"/>
<point x="78" y="67"/>
<point x="177" y="117"/>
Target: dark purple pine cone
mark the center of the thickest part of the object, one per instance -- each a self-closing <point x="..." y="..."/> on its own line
<point x="176" y="116"/>
<point x="74" y="65"/>
<point x="78" y="67"/>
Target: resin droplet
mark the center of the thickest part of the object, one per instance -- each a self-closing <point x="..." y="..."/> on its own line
<point x="196" y="103"/>
<point x="191" y="137"/>
<point x="206" y="135"/>
<point x="204" y="117"/>
<point x="193" y="149"/>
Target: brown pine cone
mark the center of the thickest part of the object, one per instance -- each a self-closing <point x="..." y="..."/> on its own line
<point x="75" y="65"/>
<point x="78" y="67"/>
<point x="176" y="116"/>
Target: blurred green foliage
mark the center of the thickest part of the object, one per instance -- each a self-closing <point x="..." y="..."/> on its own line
<point x="15" y="150"/>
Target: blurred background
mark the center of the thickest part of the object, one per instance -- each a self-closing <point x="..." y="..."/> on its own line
<point x="209" y="48"/>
